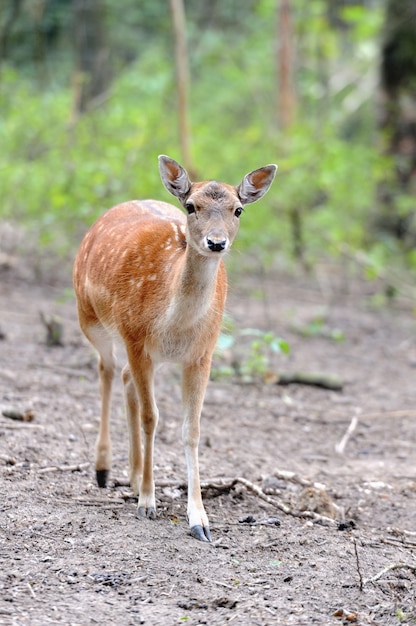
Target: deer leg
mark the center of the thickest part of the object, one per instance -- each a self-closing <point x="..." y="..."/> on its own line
<point x="194" y="383"/>
<point x="141" y="368"/>
<point x="133" y="421"/>
<point x="103" y="343"/>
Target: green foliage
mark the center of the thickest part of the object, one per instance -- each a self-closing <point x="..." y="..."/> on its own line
<point x="248" y="353"/>
<point x="57" y="173"/>
<point x="317" y="327"/>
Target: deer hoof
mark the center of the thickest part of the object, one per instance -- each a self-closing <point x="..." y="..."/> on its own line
<point x="201" y="533"/>
<point x="146" y="512"/>
<point x="102" y="477"/>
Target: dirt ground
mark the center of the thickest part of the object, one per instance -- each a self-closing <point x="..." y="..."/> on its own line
<point x="73" y="554"/>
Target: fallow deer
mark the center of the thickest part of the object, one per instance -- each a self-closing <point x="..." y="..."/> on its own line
<point x="154" y="277"/>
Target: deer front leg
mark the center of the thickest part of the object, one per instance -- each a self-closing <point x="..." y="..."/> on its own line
<point x="103" y="343"/>
<point x="194" y="383"/>
<point x="141" y="368"/>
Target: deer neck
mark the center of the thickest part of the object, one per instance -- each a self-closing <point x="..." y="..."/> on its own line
<point x="193" y="288"/>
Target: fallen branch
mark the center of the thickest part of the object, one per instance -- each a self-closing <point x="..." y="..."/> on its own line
<point x="400" y="531"/>
<point x="221" y="485"/>
<point x="317" y="379"/>
<point x="398" y="542"/>
<point x="295" y="478"/>
<point x="20" y="425"/>
<point x="97" y="501"/>
<point x="19" y="416"/>
<point x="273" y="501"/>
<point x="388" y="569"/>
<point x="260" y="493"/>
<point x="225" y="485"/>
<point x="405" y="538"/>
<point x="64" y="468"/>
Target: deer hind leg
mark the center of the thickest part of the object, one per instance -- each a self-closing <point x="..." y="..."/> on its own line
<point x="103" y="343"/>
<point x="194" y="383"/>
<point x="141" y="368"/>
<point x="134" y="428"/>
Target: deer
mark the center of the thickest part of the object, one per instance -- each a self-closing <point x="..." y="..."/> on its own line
<point x="154" y="276"/>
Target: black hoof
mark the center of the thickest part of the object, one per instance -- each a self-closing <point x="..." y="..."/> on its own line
<point x="149" y="512"/>
<point x="201" y="533"/>
<point x="102" y="477"/>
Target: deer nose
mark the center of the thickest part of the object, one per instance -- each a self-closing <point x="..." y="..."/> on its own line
<point x="216" y="245"/>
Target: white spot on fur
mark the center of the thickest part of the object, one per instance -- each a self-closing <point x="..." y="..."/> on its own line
<point x="176" y="232"/>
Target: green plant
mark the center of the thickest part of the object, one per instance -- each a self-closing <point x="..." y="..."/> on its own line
<point x="247" y="353"/>
<point x="318" y="327"/>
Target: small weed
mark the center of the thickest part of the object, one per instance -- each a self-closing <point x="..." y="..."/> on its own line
<point x="247" y="353"/>
<point x="318" y="328"/>
<point x="404" y="617"/>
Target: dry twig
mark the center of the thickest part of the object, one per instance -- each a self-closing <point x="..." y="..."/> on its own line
<point x="399" y="531"/>
<point x="32" y="593"/>
<point x="357" y="561"/>
<point x="340" y="447"/>
<point x="260" y="493"/>
<point x="21" y="425"/>
<point x="64" y="468"/>
<point x="389" y="568"/>
<point x="91" y="501"/>
<point x="295" y="478"/>
<point x="273" y="501"/>
<point x="225" y="485"/>
<point x="402" y="413"/>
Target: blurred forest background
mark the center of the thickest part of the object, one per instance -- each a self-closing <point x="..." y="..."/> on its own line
<point x="91" y="91"/>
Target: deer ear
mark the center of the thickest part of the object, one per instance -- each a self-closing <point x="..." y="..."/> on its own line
<point x="256" y="184"/>
<point x="174" y="176"/>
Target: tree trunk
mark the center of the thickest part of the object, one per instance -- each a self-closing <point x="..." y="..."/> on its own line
<point x="285" y="60"/>
<point x="398" y="118"/>
<point x="92" y="76"/>
<point x="13" y="14"/>
<point x="182" y="77"/>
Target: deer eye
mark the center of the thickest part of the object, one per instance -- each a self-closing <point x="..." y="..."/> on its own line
<point x="189" y="208"/>
<point x="238" y="211"/>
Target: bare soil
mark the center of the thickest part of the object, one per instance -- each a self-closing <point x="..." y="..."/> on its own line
<point x="73" y="554"/>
